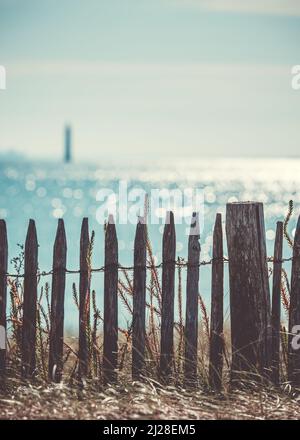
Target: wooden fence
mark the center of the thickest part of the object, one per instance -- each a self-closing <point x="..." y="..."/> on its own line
<point x="255" y="322"/>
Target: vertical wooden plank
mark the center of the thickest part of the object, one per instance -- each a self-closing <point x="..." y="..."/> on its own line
<point x="110" y="341"/>
<point x="249" y="289"/>
<point x="294" y="313"/>
<point x="30" y="300"/>
<point x="3" y="295"/>
<point x="84" y="300"/>
<point x="139" y="301"/>
<point x="276" y="303"/>
<point x="192" y="291"/>
<point x="57" y="304"/>
<point x="217" y="295"/>
<point x="168" y="292"/>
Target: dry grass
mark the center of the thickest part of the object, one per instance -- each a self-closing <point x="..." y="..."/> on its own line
<point x="144" y="401"/>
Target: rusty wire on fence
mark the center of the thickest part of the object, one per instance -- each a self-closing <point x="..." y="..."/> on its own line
<point x="181" y="263"/>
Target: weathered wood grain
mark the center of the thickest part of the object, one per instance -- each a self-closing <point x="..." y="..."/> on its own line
<point x="30" y="302"/>
<point x="276" y="303"/>
<point x="110" y="341"/>
<point x="249" y="289"/>
<point x="192" y="291"/>
<point x="217" y="295"/>
<point x="139" y="301"/>
<point x="84" y="301"/>
<point x="168" y="291"/>
<point x="3" y="294"/>
<point x="57" y="304"/>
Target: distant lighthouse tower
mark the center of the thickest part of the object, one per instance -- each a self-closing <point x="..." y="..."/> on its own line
<point x="68" y="144"/>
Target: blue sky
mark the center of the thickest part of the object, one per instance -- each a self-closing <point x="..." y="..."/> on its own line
<point x="155" y="77"/>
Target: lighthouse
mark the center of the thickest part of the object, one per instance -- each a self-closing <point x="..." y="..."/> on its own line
<point x="68" y="144"/>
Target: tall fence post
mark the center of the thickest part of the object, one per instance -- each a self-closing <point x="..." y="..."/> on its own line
<point x="168" y="292"/>
<point x="110" y="335"/>
<point x="192" y="291"/>
<point x="249" y="289"/>
<point x="294" y="313"/>
<point x="217" y="294"/>
<point x="56" y="340"/>
<point x="276" y="303"/>
<point x="3" y="295"/>
<point x="84" y="300"/>
<point x="30" y="302"/>
<point x="139" y="301"/>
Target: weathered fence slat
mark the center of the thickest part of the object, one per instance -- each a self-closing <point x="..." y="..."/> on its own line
<point x="294" y="313"/>
<point x="139" y="301"/>
<point x="276" y="302"/>
<point x="217" y="295"/>
<point x="57" y="304"/>
<point x="84" y="300"/>
<point x="249" y="289"/>
<point x="3" y="295"/>
<point x="192" y="291"/>
<point x="110" y="327"/>
<point x="30" y="302"/>
<point x="168" y="292"/>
